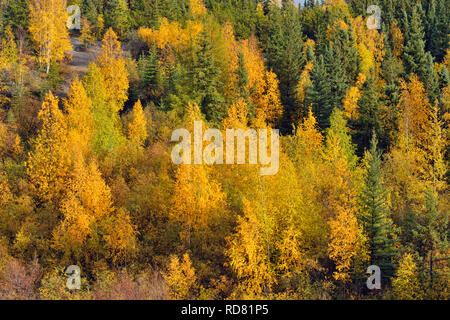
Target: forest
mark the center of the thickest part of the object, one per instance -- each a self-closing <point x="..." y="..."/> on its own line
<point x="86" y="175"/>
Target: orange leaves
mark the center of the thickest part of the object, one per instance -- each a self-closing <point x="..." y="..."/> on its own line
<point x="87" y="201"/>
<point x="237" y="115"/>
<point x="397" y="38"/>
<point x="344" y="241"/>
<point x="264" y="91"/>
<point x="120" y="236"/>
<point x="416" y="110"/>
<point x="304" y="81"/>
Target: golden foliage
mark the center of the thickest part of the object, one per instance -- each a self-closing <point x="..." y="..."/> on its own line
<point x="48" y="165"/>
<point x="79" y="117"/>
<point x="137" y="128"/>
<point x="406" y="284"/>
<point x="180" y="277"/>
<point x="113" y="67"/>
<point x="48" y="29"/>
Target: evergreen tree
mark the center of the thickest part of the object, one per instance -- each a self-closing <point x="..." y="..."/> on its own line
<point x="437" y="28"/>
<point x="206" y="83"/>
<point x="377" y="225"/>
<point x="368" y="120"/>
<point x="432" y="234"/>
<point x="318" y="95"/>
<point x="150" y="75"/>
<point x="17" y="14"/>
<point x="444" y="78"/>
<point x="414" y="52"/>
<point x="117" y="16"/>
<point x="345" y="54"/>
<point x="285" y="58"/>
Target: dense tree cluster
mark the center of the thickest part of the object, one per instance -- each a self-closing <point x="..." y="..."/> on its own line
<point x="86" y="176"/>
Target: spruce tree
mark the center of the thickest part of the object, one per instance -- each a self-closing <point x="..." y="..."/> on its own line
<point x="318" y="94"/>
<point x="117" y="16"/>
<point x="437" y="28"/>
<point x="431" y="234"/>
<point x="430" y="79"/>
<point x="285" y="58"/>
<point x="414" y="52"/>
<point x="377" y="225"/>
<point x="444" y="78"/>
<point x="369" y="116"/>
<point x="206" y="82"/>
<point x="16" y="14"/>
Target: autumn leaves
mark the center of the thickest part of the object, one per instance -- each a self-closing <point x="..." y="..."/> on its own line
<point x="64" y="171"/>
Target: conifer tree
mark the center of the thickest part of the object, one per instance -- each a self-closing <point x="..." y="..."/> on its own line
<point x="377" y="225"/>
<point x="369" y="116"/>
<point x="206" y="83"/>
<point x="437" y="28"/>
<point x="17" y="14"/>
<point x="414" y="52"/>
<point x="117" y="16"/>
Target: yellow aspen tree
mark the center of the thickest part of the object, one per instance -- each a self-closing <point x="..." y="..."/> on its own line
<point x="87" y="202"/>
<point x="120" y="236"/>
<point x="87" y="37"/>
<point x="367" y="59"/>
<point x="436" y="147"/>
<point x="339" y="197"/>
<point x="352" y="96"/>
<point x="8" y="61"/>
<point x="407" y="168"/>
<point x="48" y="165"/>
<point x="263" y="83"/>
<point x="197" y="199"/>
<point x="80" y="122"/>
<point x="10" y="142"/>
<point x="113" y="67"/>
<point x="415" y="111"/>
<point x="237" y="115"/>
<point x="8" y="51"/>
<point x="180" y="278"/>
<point x="406" y="284"/>
<point x="232" y="59"/>
<point x="137" y="128"/>
<point x="304" y="81"/>
<point x="6" y="195"/>
<point x="344" y="237"/>
<point x="171" y="35"/>
<point x="397" y="38"/>
<point x="48" y="30"/>
<point x="370" y="45"/>
<point x="197" y="8"/>
<point x="248" y="255"/>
